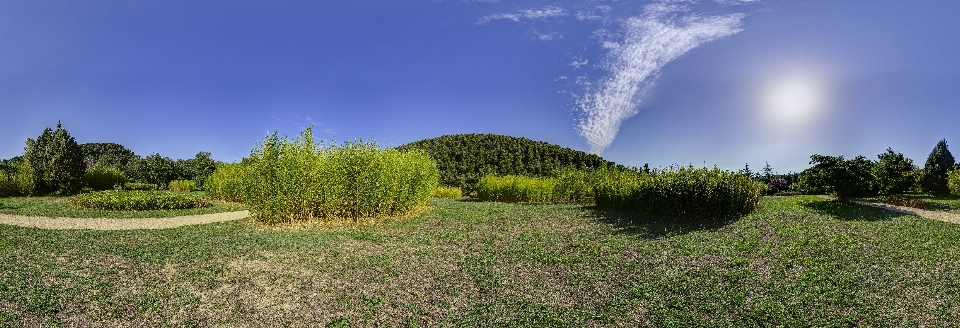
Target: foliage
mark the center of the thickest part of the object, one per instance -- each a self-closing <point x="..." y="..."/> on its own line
<point x="463" y="159"/>
<point x="139" y="186"/>
<point x="104" y="178"/>
<point x="201" y="167"/>
<point x="182" y="186"/>
<point x="226" y="183"/>
<point x="572" y="186"/>
<point x="515" y="188"/>
<point x="845" y="178"/>
<point x="894" y="173"/>
<point x="106" y="154"/>
<point x="17" y="179"/>
<point x="293" y="180"/>
<point x="57" y="162"/>
<point x="900" y="200"/>
<point x="953" y="181"/>
<point x="447" y="192"/>
<point x="689" y="193"/>
<point x="778" y="184"/>
<point x="153" y="169"/>
<point x="940" y="161"/>
<point x="137" y="200"/>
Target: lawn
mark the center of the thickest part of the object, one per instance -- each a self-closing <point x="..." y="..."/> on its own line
<point x="54" y="206"/>
<point x="948" y="203"/>
<point x="797" y="261"/>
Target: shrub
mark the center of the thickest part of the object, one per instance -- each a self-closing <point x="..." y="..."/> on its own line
<point x="18" y="180"/>
<point x="689" y="193"/>
<point x="139" y="186"/>
<point x="289" y="180"/>
<point x="953" y="181"/>
<point x="226" y="183"/>
<point x="905" y="201"/>
<point x="182" y="186"/>
<point x="894" y="173"/>
<point x="940" y="161"/>
<point x="778" y="184"/>
<point x="447" y="192"/>
<point x="137" y="200"/>
<point x="103" y="178"/>
<point x="514" y="188"/>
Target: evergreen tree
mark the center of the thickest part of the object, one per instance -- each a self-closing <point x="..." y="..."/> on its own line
<point x="939" y="162"/>
<point x="57" y="162"/>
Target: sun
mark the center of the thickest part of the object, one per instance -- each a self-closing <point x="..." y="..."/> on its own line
<point x="794" y="99"/>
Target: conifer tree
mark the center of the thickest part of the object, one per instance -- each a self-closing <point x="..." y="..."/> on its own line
<point x="939" y="162"/>
<point x="57" y="162"/>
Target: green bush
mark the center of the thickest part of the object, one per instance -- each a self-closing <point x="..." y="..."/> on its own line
<point x="515" y="188"/>
<point x="291" y="180"/>
<point x="140" y="186"/>
<point x="18" y="180"/>
<point x="894" y="173"/>
<point x="182" y="185"/>
<point x="137" y="200"/>
<point x="103" y="178"/>
<point x="447" y="192"/>
<point x="689" y="193"/>
<point x="572" y="186"/>
<point x="226" y="183"/>
<point x="953" y="181"/>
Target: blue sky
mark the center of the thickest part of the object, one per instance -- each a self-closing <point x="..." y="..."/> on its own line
<point x="660" y="82"/>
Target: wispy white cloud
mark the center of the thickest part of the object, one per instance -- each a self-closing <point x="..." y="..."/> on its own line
<point x="647" y="42"/>
<point x="530" y="14"/>
<point x="595" y="13"/>
<point x="547" y="36"/>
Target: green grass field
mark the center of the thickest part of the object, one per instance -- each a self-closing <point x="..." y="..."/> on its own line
<point x="797" y="261"/>
<point x="58" y="207"/>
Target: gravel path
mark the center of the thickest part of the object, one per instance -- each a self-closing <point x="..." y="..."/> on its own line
<point x="119" y="224"/>
<point x="936" y="215"/>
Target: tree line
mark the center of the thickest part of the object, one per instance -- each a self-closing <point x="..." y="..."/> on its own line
<point x="54" y="163"/>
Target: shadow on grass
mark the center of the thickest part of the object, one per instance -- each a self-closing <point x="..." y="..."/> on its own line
<point x="850" y="211"/>
<point x="651" y="227"/>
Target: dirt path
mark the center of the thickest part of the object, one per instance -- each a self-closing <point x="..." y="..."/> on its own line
<point x="119" y="224"/>
<point x="936" y="215"/>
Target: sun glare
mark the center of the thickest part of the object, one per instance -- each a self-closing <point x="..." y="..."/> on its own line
<point x="793" y="99"/>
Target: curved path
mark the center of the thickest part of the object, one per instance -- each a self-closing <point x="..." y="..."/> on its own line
<point x="119" y="224"/>
<point x="936" y="215"/>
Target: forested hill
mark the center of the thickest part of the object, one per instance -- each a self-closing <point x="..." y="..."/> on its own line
<point x="465" y="158"/>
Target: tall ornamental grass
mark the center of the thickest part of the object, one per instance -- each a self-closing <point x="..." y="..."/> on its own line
<point x="182" y="186"/>
<point x="515" y="188"/>
<point x="688" y="193"/>
<point x="566" y="186"/>
<point x="292" y="180"/>
<point x="226" y="183"/>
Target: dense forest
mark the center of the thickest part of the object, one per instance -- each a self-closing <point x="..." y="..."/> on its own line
<point x="465" y="158"/>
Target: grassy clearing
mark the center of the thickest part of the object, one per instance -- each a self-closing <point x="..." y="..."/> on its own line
<point x="59" y="207"/>
<point x="948" y="203"/>
<point x="796" y="261"/>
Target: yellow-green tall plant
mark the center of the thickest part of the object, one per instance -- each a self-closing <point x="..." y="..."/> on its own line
<point x="953" y="181"/>
<point x="226" y="183"/>
<point x="290" y="180"/>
